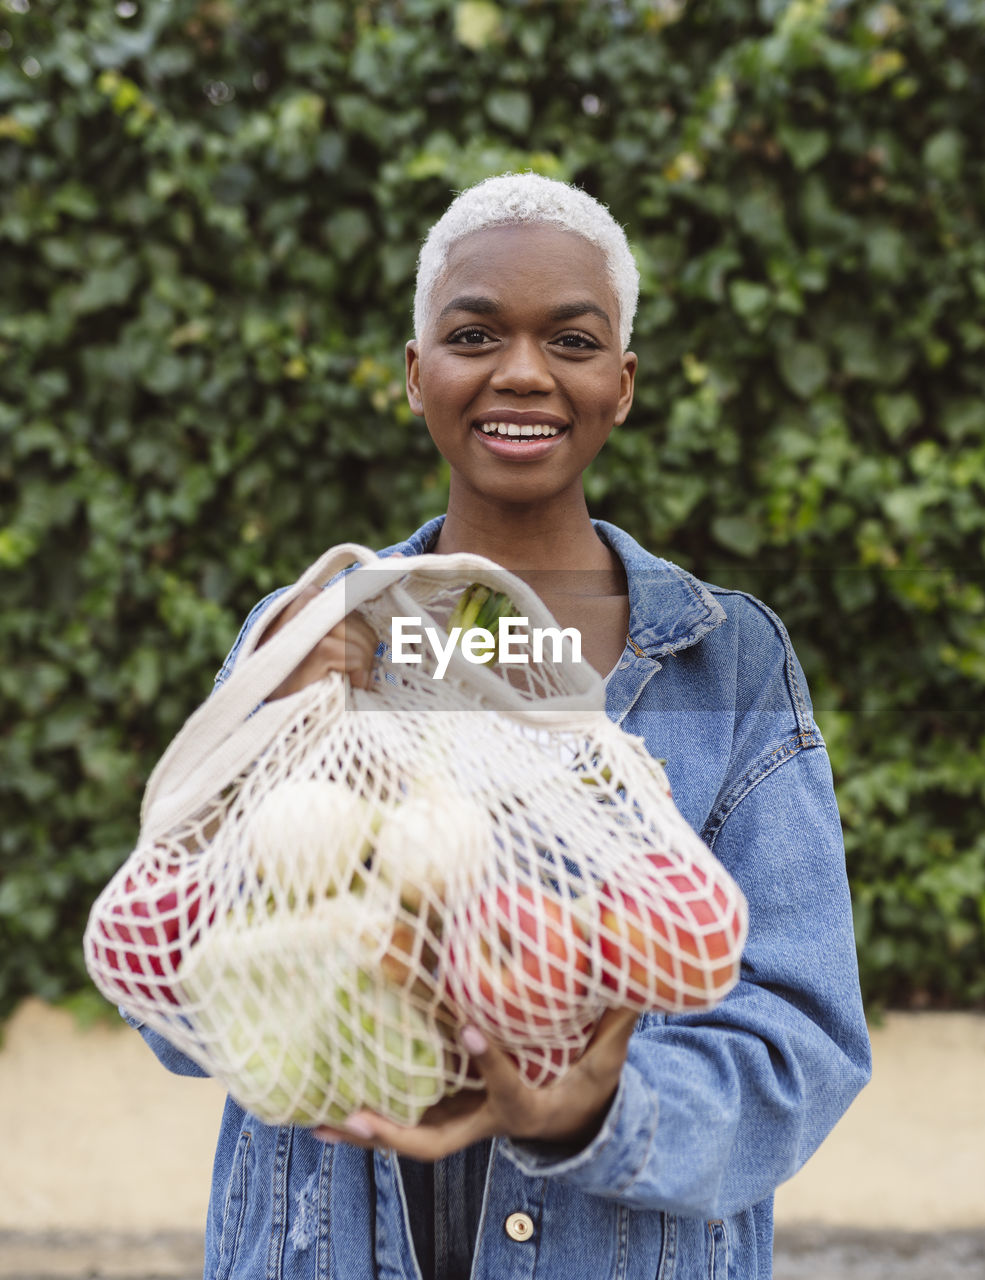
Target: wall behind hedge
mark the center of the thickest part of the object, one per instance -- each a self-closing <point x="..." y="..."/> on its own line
<point x="209" y="216"/>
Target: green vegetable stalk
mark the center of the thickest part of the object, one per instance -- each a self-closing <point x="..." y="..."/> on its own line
<point x="480" y="606"/>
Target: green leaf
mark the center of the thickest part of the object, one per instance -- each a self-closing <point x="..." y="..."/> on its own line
<point x="347" y="231"/>
<point x="106" y="287"/>
<point x="804" y="146"/>
<point x="898" y="413"/>
<point x="704" y="276"/>
<point x="478" y="23"/>
<point x="750" y="299"/>
<point x="165" y="375"/>
<point x="943" y="155"/>
<point x="886" y="250"/>
<point x="511" y="108"/>
<point x="760" y="214"/>
<point x="963" y="418"/>
<point x="803" y="367"/>
<point x="76" y="200"/>
<point x="740" y="534"/>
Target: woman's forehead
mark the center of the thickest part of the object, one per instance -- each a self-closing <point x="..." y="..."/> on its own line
<point x="505" y="261"/>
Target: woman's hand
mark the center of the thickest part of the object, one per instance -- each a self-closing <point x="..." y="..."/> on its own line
<point x="350" y="647"/>
<point x="570" y="1111"/>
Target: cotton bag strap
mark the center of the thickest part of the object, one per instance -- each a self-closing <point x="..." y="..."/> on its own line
<point x="222" y="737"/>
<point x="229" y="730"/>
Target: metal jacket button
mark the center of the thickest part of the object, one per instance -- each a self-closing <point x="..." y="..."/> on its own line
<point x="519" y="1226"/>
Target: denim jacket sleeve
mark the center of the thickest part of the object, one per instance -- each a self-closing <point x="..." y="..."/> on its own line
<point x="715" y="1109"/>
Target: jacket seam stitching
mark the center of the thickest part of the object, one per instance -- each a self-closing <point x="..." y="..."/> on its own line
<point x="673" y="643"/>
<point x="634" y="646"/>
<point x="763" y="767"/>
<point x="323" y="1244"/>
<point x="795" y="686"/>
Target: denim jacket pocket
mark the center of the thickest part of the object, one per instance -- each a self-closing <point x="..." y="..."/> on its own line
<point x="234" y="1208"/>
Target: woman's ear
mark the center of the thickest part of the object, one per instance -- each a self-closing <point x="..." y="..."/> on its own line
<point x="414" y="379"/>
<point x="626" y="385"/>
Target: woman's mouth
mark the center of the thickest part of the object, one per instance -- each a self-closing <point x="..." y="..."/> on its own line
<point x="513" y="430"/>
<point x="519" y="442"/>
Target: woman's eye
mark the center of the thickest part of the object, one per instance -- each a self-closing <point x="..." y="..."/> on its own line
<point x="576" y="342"/>
<point x="470" y="337"/>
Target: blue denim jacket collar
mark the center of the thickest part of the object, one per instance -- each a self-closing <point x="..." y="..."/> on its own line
<point x="669" y="609"/>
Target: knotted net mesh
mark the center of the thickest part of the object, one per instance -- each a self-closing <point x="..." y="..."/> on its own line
<point x="395" y="863"/>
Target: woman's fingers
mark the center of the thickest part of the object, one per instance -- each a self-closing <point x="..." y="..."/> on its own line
<point x="610" y="1039"/>
<point x="569" y="1111"/>
<point x="350" y="647"/>
<point x="451" y="1124"/>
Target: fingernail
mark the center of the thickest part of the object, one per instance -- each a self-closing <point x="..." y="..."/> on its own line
<point x="358" y="1128"/>
<point x="473" y="1039"/>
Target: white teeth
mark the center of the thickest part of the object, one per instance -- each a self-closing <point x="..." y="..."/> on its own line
<point x="513" y="429"/>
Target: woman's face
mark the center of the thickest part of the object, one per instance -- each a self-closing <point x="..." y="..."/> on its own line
<point x="519" y="374"/>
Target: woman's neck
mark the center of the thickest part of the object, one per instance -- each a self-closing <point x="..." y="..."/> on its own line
<point x="525" y="538"/>
<point x="579" y="578"/>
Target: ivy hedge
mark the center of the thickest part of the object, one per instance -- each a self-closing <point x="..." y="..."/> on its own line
<point x="209" y="218"/>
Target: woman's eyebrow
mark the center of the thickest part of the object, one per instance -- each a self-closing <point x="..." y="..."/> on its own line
<point x="572" y="310"/>
<point x="480" y="304"/>
<point x="471" y="302"/>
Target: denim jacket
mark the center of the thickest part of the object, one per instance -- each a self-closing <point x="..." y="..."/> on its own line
<point x="714" y="1109"/>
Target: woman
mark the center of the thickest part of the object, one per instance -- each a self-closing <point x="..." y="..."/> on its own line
<point x="659" y="1153"/>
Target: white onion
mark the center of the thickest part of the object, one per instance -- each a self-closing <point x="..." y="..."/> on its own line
<point x="310" y="839"/>
<point x="435" y="845"/>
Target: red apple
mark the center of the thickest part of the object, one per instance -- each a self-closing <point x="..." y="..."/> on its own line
<point x="526" y="968"/>
<point x="145" y="949"/>
<point x="645" y="954"/>
<point x="544" y="1067"/>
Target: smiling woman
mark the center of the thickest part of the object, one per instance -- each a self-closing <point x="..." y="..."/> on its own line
<point x="657" y="1154"/>
<point x="524" y="336"/>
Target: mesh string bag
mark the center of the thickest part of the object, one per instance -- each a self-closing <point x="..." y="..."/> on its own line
<point x="327" y="886"/>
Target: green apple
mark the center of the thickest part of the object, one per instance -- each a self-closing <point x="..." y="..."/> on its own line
<point x="301" y="1031"/>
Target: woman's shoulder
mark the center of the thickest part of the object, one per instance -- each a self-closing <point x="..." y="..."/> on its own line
<point x="685" y="607"/>
<point x="751" y="617"/>
<point x="719" y="630"/>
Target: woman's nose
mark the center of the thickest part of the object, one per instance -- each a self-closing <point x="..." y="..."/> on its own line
<point x="523" y="368"/>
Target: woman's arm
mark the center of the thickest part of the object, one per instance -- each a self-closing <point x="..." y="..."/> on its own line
<point x="716" y="1109"/>
<point x="701" y="1113"/>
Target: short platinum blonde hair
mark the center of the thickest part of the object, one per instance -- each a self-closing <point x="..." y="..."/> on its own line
<point x="512" y="199"/>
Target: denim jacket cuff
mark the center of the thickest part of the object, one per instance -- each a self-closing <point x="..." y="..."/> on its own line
<point x="614" y="1158"/>
<point x="165" y="1052"/>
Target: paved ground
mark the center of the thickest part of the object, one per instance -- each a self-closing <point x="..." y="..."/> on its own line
<point x="806" y="1253"/>
<point x="823" y="1253"/>
<point x="135" y="1146"/>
